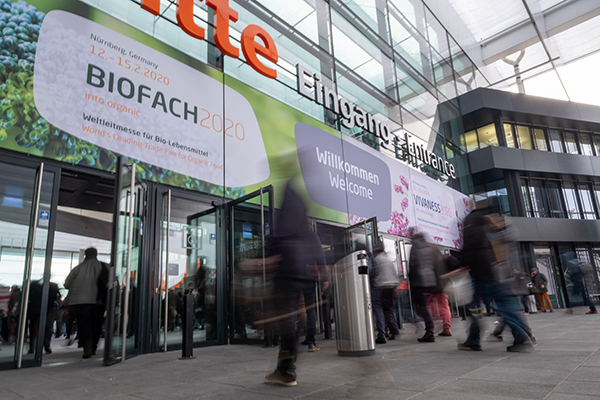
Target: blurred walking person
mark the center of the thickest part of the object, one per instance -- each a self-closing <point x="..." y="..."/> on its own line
<point x="82" y="299"/>
<point x="578" y="276"/>
<point x="298" y="248"/>
<point x="384" y="281"/>
<point x="540" y="283"/>
<point x="422" y="264"/>
<point x="484" y="263"/>
<point x="439" y="297"/>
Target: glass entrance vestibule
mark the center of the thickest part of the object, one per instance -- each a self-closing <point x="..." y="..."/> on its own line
<point x="161" y="243"/>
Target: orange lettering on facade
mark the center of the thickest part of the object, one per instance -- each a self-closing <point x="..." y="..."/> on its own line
<point x="223" y="14"/>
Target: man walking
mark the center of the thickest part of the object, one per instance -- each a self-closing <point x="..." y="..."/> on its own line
<point x="384" y="281"/>
<point x="82" y="299"/>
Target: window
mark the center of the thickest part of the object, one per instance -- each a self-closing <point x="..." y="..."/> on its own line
<point x="487" y="136"/>
<point x="524" y="137"/>
<point x="539" y="200"/>
<point x="554" y="200"/>
<point x="510" y="136"/>
<point x="555" y="138"/>
<point x="585" y="143"/>
<point x="471" y="141"/>
<point x="596" y="138"/>
<point x="570" y="144"/>
<point x="571" y="200"/>
<point x="540" y="139"/>
<point x="526" y="202"/>
<point x="587" y="204"/>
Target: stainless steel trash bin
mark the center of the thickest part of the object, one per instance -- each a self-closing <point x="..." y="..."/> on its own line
<point x="355" y="334"/>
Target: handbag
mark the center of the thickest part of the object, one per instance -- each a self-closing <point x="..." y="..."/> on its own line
<point x="459" y="287"/>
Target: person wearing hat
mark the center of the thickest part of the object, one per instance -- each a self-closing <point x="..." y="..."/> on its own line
<point x="540" y="282"/>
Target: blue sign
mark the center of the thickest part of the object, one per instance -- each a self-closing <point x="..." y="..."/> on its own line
<point x="44" y="215"/>
<point x="212" y="238"/>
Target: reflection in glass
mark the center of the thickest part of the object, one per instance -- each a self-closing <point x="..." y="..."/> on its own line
<point x="539" y="201"/>
<point x="487" y="136"/>
<point x="471" y="141"/>
<point x="571" y="200"/>
<point x="585" y="143"/>
<point x="540" y="139"/>
<point x="596" y="139"/>
<point x="587" y="204"/>
<point x="570" y="144"/>
<point x="525" y="195"/>
<point x="554" y="200"/>
<point x="524" y="137"/>
<point x="555" y="138"/>
<point x="509" y="135"/>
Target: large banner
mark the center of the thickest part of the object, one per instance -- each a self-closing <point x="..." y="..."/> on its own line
<point x="111" y="91"/>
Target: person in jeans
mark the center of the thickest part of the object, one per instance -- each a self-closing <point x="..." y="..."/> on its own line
<point x="384" y="281"/>
<point x="540" y="282"/>
<point x="422" y="264"/>
<point x="480" y="257"/>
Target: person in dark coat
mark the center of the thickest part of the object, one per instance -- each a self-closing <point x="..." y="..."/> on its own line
<point x="540" y="282"/>
<point x="479" y="256"/>
<point x="422" y="278"/>
<point x="297" y="248"/>
<point x="34" y="312"/>
<point x="577" y="279"/>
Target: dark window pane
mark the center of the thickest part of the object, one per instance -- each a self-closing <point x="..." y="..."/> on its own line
<point x="555" y="138"/>
<point x="526" y="202"/>
<point x="554" y="200"/>
<point x="539" y="201"/>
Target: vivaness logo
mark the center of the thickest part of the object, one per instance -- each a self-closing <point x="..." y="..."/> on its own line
<point x="223" y="14"/>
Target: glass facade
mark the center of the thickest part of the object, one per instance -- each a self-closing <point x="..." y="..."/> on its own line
<point x="392" y="58"/>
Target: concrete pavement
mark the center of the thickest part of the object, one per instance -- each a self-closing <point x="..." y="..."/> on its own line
<point x="564" y="366"/>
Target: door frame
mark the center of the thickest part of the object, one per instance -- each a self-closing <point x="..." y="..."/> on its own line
<point x="154" y="277"/>
<point x="230" y="253"/>
<point x="34" y="163"/>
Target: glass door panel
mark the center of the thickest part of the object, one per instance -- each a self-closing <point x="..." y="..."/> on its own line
<point x="362" y="236"/>
<point x="122" y="337"/>
<point x="25" y="206"/>
<point x="189" y="252"/>
<point x="544" y="262"/>
<point x="250" y="221"/>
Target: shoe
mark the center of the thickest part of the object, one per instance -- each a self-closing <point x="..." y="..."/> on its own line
<point x="592" y="312"/>
<point x="71" y="341"/>
<point x="86" y="355"/>
<point x="427" y="338"/>
<point x="48" y="350"/>
<point x="525" y="313"/>
<point x="494" y="338"/>
<point x="393" y="336"/>
<point x="469" y="346"/>
<point x="276" y="378"/>
<point x="551" y="310"/>
<point x="520" y="348"/>
<point x="313" y="347"/>
<point x="305" y="343"/>
<point x="380" y="340"/>
<point x="445" y="333"/>
<point x="533" y="339"/>
<point x="543" y="310"/>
